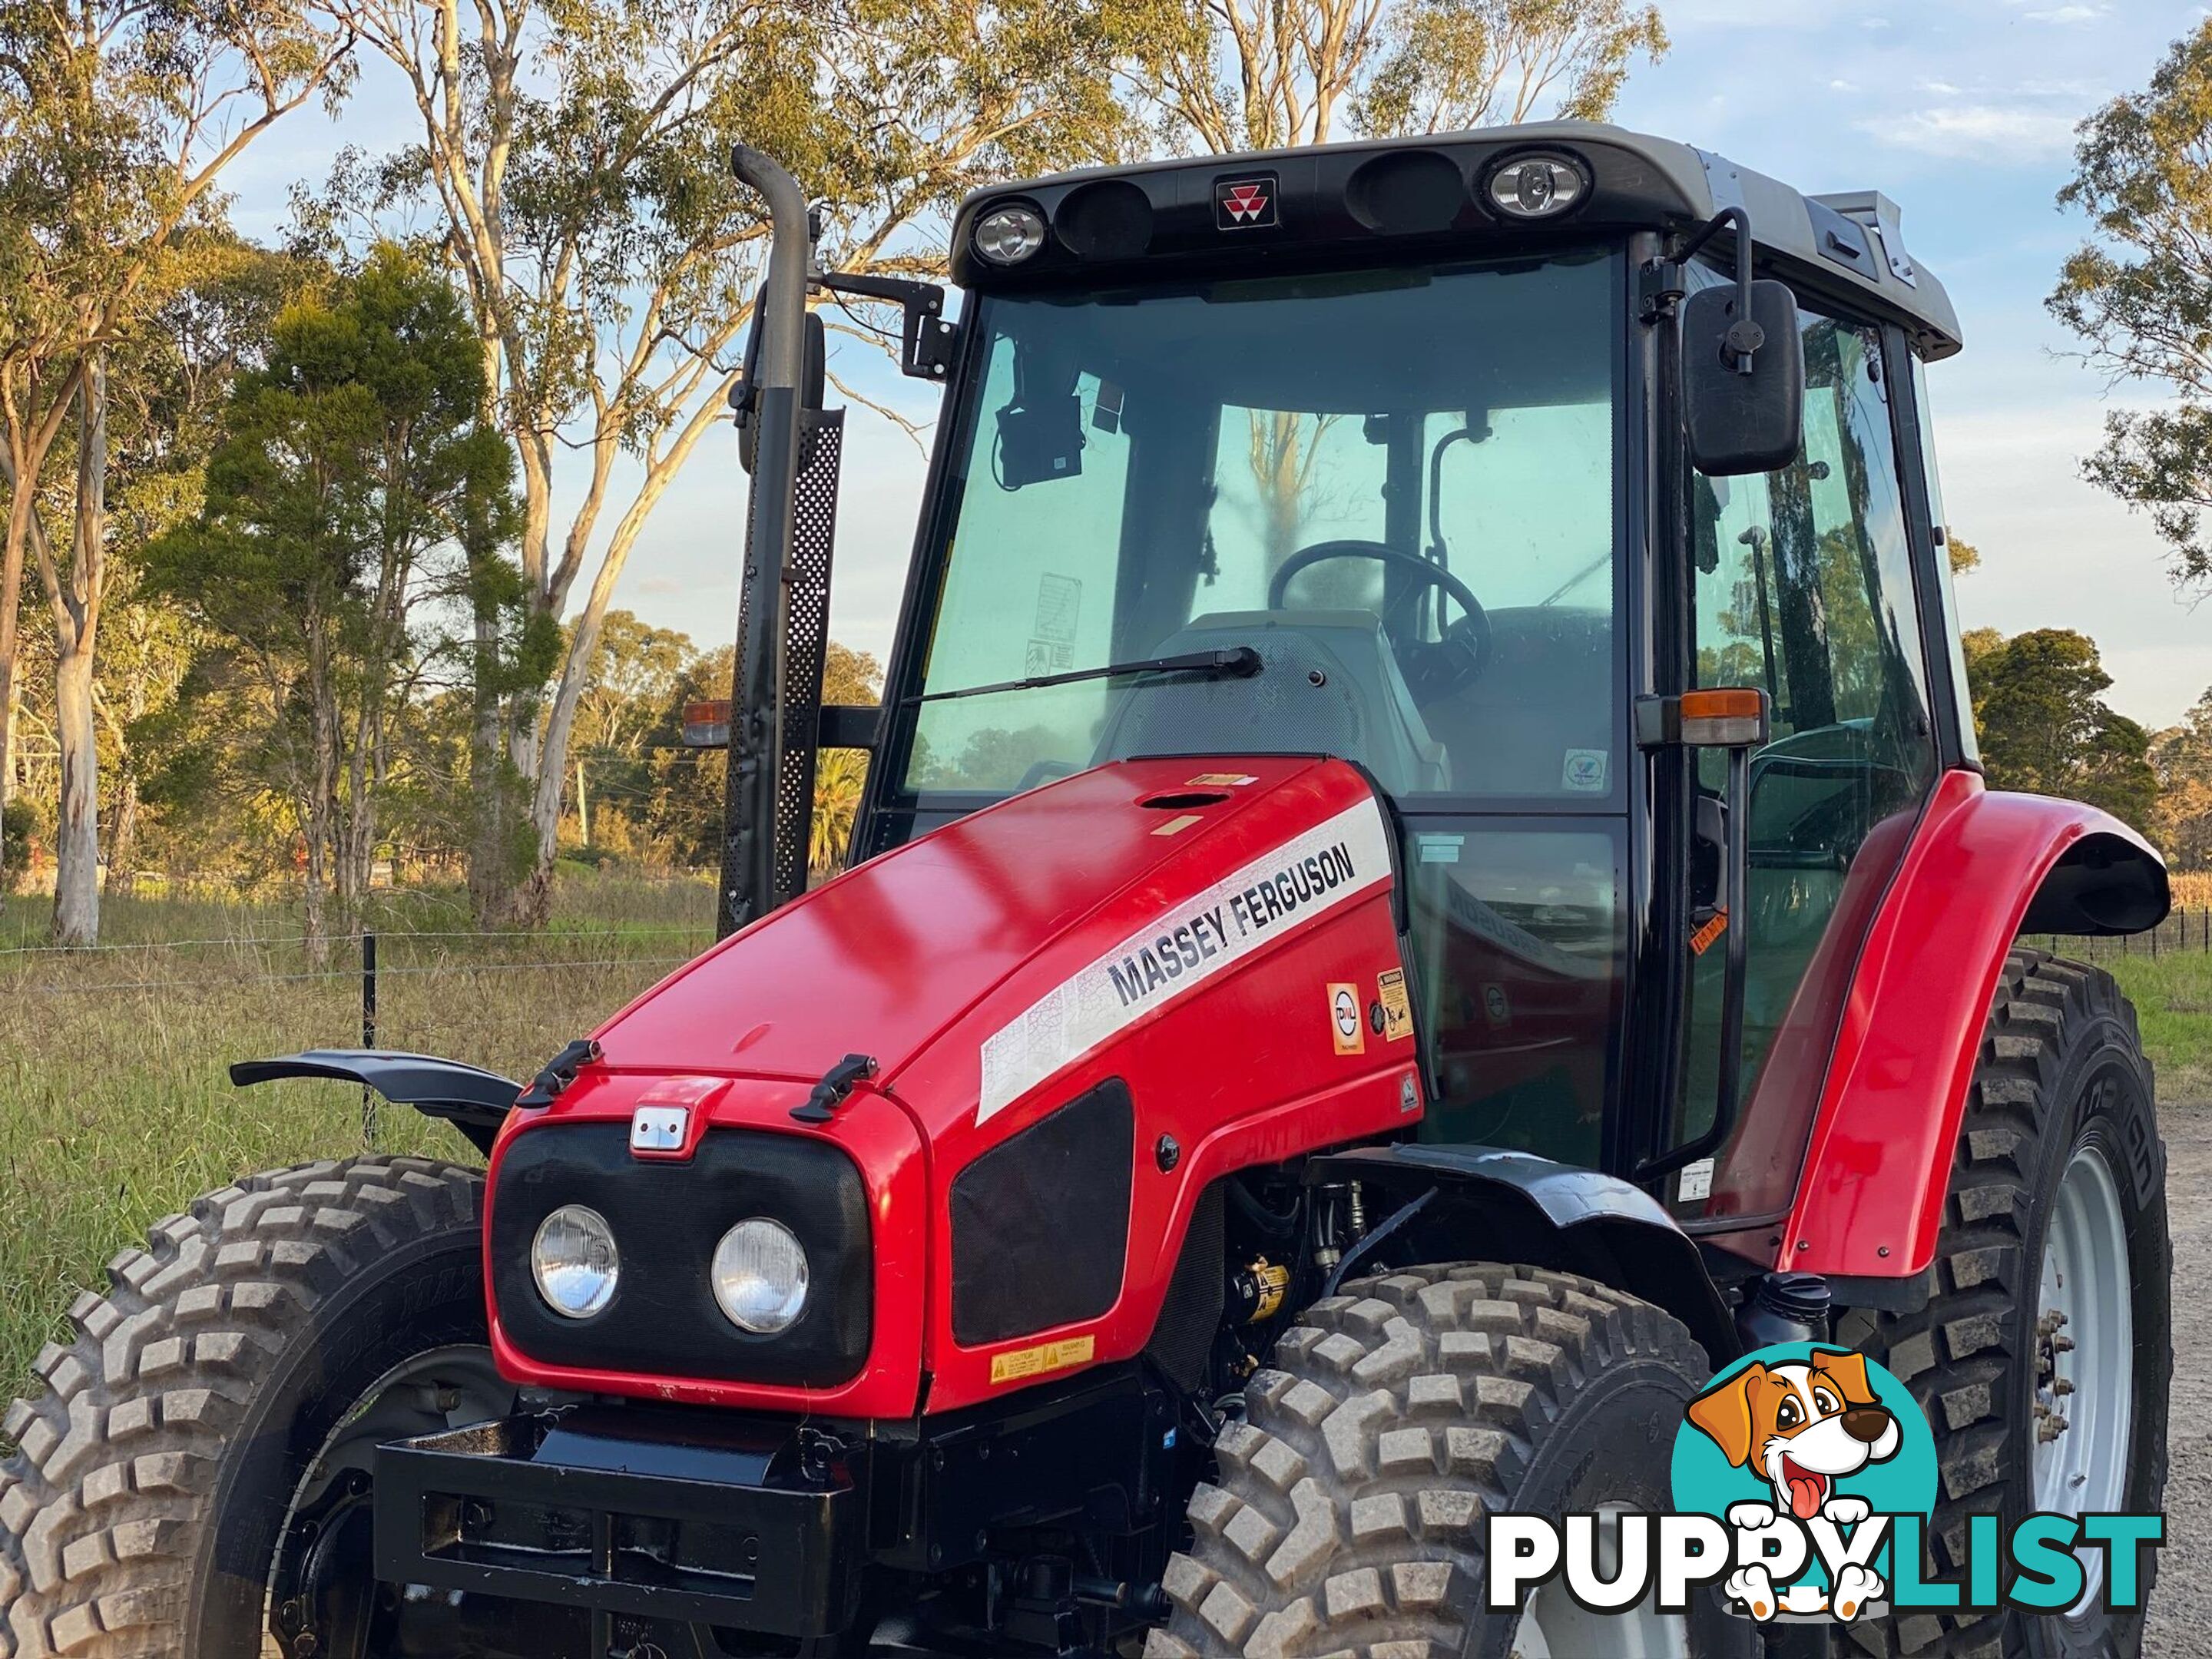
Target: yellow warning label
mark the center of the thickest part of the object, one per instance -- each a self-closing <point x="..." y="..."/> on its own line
<point x="1397" y="1012"/>
<point x="1177" y="826"/>
<point x="1220" y="780"/>
<point x="1343" y="1021"/>
<point x="1045" y="1357"/>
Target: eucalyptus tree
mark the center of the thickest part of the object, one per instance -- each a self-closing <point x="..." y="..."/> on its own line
<point x="2139" y="293"/>
<point x="1233" y="75"/>
<point x="118" y="118"/>
<point x="572" y="163"/>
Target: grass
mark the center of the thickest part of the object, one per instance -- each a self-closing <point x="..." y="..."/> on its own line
<point x="115" y="1108"/>
<point x="2172" y="995"/>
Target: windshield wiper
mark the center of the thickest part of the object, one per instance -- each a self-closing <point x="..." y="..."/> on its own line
<point x="1234" y="662"/>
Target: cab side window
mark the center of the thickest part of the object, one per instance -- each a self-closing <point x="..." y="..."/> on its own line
<point x="1804" y="587"/>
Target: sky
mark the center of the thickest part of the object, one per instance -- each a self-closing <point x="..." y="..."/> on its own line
<point x="1961" y="110"/>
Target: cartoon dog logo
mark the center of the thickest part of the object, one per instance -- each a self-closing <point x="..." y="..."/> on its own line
<point x="1802" y="1428"/>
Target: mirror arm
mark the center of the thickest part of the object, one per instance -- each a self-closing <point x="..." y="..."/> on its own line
<point x="1744" y="337"/>
<point x="926" y="341"/>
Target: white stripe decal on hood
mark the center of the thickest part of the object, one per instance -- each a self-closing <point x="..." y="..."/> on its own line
<point x="1328" y="866"/>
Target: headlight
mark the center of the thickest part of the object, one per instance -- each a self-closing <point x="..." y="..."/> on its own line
<point x="760" y="1276"/>
<point x="1537" y="186"/>
<point x="574" y="1261"/>
<point x="1008" y="235"/>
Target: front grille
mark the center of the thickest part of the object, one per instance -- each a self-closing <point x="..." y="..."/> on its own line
<point x="667" y="1219"/>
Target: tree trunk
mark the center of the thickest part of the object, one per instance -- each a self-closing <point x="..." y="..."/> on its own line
<point x="21" y="505"/>
<point x="123" y="834"/>
<point x="76" y="622"/>
<point x="496" y="860"/>
<point x="123" y="837"/>
<point x="321" y="803"/>
<point x="77" y="839"/>
<point x="583" y="805"/>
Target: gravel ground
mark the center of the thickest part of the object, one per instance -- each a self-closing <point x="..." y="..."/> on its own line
<point x="2181" y="1606"/>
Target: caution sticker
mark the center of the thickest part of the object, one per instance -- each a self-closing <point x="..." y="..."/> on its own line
<point x="1344" y="1019"/>
<point x="1705" y="939"/>
<point x="1046" y="1357"/>
<point x="1397" y="1010"/>
<point x="1175" y="826"/>
<point x="1219" y="781"/>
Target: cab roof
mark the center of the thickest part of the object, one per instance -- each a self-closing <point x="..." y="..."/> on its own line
<point x="1422" y="196"/>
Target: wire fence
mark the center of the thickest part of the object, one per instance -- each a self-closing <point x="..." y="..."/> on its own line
<point x="2187" y="931"/>
<point x="436" y="989"/>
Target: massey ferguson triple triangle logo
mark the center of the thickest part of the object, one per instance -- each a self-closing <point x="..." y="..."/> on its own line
<point x="1244" y="204"/>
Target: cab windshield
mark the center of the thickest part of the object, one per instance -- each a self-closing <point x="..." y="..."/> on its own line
<point x="1397" y="486"/>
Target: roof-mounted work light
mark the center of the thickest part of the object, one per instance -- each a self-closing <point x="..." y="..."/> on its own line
<point x="1539" y="186"/>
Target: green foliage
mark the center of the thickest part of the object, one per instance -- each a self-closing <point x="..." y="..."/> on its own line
<point x="2045" y="728"/>
<point x="1452" y="64"/>
<point x="1260" y="73"/>
<point x="354" y="472"/>
<point x="2182" y="757"/>
<point x="2140" y="292"/>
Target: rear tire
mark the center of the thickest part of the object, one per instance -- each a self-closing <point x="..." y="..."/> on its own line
<point x="2062" y="1070"/>
<point x="1348" y="1511"/>
<point x="140" y="1514"/>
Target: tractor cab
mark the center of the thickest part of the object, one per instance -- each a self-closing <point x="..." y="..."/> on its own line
<point x="1386" y="452"/>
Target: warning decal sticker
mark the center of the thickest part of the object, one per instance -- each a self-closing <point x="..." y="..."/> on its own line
<point x="1045" y="1357"/>
<point x="1329" y="865"/>
<point x="1344" y="1019"/>
<point x="1397" y="1010"/>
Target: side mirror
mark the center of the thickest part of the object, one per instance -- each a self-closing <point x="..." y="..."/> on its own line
<point x="812" y="380"/>
<point x="1743" y="378"/>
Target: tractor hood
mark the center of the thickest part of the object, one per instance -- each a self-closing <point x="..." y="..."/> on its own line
<point x="900" y="949"/>
<point x="1085" y="1005"/>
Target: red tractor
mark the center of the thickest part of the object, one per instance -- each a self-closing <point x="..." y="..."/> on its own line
<point x="1424" y="882"/>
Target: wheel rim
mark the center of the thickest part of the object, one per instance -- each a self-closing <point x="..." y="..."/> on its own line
<point x="439" y="1388"/>
<point x="1553" y="1627"/>
<point x="2085" y="1356"/>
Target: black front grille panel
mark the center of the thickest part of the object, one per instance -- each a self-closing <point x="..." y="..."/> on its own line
<point x="667" y="1217"/>
<point x="1062" y="1184"/>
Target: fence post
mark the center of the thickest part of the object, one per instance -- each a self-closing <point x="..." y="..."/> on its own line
<point x="367" y="1032"/>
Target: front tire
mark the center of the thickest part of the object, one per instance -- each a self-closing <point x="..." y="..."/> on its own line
<point x="1348" y="1514"/>
<point x="141" y="1514"/>
<point x="2060" y="1123"/>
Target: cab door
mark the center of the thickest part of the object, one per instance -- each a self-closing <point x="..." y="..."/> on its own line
<point x="1802" y="583"/>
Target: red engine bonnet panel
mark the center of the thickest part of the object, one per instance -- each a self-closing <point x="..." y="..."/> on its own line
<point x="1191" y="927"/>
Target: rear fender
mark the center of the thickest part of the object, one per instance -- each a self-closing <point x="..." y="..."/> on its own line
<point x="1984" y="868"/>
<point x="474" y="1101"/>
<point x="1483" y="1203"/>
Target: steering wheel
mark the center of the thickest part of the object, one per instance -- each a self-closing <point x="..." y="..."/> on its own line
<point x="1433" y="671"/>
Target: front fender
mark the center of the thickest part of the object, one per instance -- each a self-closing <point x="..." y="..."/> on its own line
<point x="1984" y="867"/>
<point x="1488" y="1203"/>
<point x="474" y="1101"/>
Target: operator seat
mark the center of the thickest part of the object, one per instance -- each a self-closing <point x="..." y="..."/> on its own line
<point x="1329" y="685"/>
<point x="1545" y="697"/>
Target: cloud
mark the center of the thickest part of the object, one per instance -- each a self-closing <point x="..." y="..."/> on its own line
<point x="2067" y="14"/>
<point x="1977" y="132"/>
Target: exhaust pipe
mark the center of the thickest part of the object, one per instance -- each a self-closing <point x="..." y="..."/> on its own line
<point x="773" y="393"/>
